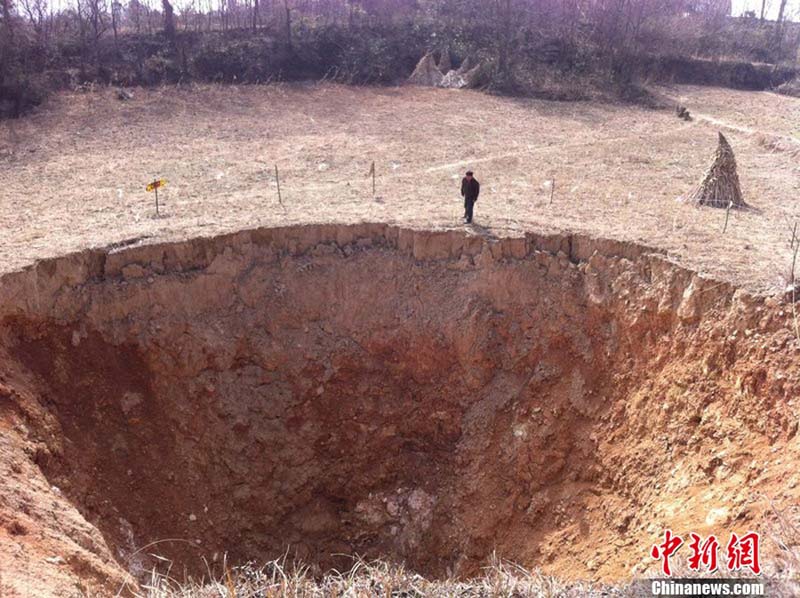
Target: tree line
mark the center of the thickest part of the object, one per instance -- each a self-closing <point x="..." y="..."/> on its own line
<point x="166" y="40"/>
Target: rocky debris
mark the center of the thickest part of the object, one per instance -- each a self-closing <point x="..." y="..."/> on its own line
<point x="682" y="112"/>
<point x="124" y="95"/>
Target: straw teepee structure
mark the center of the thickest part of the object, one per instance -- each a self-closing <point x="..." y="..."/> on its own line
<point x="445" y="64"/>
<point x="720" y="185"/>
<point x="465" y="77"/>
<point x="430" y="74"/>
<point x="427" y="72"/>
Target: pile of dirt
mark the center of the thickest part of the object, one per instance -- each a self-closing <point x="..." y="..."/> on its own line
<point x="427" y="397"/>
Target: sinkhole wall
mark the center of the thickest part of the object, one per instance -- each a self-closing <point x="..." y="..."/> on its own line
<point x="425" y="397"/>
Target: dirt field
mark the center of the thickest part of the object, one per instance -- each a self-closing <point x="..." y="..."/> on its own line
<point x="73" y="175"/>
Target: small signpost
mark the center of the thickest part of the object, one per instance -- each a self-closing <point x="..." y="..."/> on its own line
<point x="154" y="187"/>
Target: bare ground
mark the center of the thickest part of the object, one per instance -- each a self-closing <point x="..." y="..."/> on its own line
<point x="73" y="175"/>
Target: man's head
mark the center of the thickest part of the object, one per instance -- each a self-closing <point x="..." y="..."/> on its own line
<point x="469" y="175"/>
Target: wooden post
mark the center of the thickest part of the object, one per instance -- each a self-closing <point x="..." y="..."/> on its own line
<point x="278" y="183"/>
<point x="156" y="190"/>
<point x="727" y="215"/>
<point x="794" y="294"/>
<point x="372" y="172"/>
<point x="552" y="189"/>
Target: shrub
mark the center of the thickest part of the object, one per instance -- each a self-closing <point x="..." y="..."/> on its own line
<point x="20" y="93"/>
<point x="237" y="60"/>
<point x="160" y="68"/>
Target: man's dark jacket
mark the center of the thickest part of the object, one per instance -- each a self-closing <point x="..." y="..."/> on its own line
<point x="470" y="189"/>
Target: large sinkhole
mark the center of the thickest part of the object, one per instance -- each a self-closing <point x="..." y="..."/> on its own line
<point x="323" y="392"/>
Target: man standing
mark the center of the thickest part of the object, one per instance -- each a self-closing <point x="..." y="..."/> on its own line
<point x="470" y="189"/>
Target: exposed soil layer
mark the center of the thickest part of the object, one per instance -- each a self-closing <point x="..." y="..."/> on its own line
<point x="423" y="397"/>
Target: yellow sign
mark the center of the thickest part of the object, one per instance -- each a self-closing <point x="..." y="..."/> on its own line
<point x="157" y="184"/>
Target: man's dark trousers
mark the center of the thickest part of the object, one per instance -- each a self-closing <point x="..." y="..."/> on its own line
<point x="469" y="204"/>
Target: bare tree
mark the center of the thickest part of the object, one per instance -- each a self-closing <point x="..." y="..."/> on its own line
<point x="779" y="26"/>
<point x="94" y="13"/>
<point x="169" y="19"/>
<point x="503" y="11"/>
<point x="7" y="22"/>
<point x="135" y="14"/>
<point x="36" y="10"/>
<point x="288" y="9"/>
<point x="223" y="14"/>
<point x="116" y="10"/>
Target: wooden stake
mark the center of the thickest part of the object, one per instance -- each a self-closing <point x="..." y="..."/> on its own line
<point x="372" y="172"/>
<point x="727" y="215"/>
<point x="156" y="190"/>
<point x="794" y="295"/>
<point x="552" y="189"/>
<point x="278" y="183"/>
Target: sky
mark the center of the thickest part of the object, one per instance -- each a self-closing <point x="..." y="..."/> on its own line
<point x="742" y="6"/>
<point x="739" y="7"/>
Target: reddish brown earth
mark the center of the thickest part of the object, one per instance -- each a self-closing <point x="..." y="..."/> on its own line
<point x="417" y="396"/>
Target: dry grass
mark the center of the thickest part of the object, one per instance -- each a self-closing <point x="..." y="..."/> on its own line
<point x="501" y="579"/>
<point x="370" y="579"/>
<point x="73" y="175"/>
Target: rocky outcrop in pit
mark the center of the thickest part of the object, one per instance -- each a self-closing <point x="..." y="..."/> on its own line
<point x="426" y="397"/>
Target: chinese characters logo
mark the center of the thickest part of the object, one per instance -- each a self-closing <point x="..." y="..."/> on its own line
<point x="740" y="552"/>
